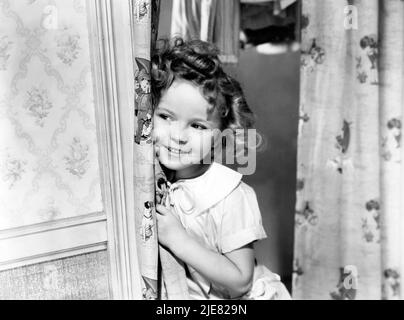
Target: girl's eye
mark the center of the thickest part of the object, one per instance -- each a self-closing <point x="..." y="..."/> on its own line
<point x="198" y="126"/>
<point x="164" y="116"/>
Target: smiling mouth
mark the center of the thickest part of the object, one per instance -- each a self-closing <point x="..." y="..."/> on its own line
<point x="177" y="151"/>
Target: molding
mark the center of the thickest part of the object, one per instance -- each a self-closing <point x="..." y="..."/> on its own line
<point x="111" y="50"/>
<point x="61" y="254"/>
<point x="52" y="240"/>
<point x="51" y="225"/>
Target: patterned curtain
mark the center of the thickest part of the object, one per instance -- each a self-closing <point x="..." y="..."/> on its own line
<point x="145" y="22"/>
<point x="156" y="263"/>
<point x="349" y="209"/>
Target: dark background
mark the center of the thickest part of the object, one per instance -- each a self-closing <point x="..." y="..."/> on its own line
<point x="271" y="85"/>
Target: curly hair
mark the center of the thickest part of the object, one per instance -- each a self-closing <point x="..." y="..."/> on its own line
<point x="198" y="62"/>
<point x="394" y="123"/>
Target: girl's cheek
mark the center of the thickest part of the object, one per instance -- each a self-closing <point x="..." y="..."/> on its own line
<point x="159" y="130"/>
<point x="157" y="135"/>
<point x="199" y="138"/>
<point x="206" y="141"/>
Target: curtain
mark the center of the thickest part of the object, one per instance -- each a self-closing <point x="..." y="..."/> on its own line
<point x="209" y="20"/>
<point x="163" y="276"/>
<point x="145" y="21"/>
<point x="349" y="207"/>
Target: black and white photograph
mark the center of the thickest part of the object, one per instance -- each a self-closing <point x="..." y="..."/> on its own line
<point x="211" y="150"/>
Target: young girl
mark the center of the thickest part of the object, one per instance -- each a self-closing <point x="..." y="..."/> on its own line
<point x="211" y="218"/>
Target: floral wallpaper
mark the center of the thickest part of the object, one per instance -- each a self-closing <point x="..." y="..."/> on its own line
<point x="48" y="145"/>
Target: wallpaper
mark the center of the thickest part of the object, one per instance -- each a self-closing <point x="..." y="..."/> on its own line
<point x="79" y="277"/>
<point x="48" y="147"/>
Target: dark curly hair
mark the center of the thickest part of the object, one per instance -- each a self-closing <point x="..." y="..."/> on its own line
<point x="198" y="62"/>
<point x="394" y="123"/>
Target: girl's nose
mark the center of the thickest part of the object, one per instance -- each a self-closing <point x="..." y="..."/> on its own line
<point x="179" y="135"/>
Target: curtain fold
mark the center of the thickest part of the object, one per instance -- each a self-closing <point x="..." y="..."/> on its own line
<point x="349" y="207"/>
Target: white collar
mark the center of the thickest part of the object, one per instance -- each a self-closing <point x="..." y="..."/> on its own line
<point x="194" y="196"/>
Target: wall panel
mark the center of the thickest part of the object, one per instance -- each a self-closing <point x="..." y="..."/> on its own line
<point x="78" y="277"/>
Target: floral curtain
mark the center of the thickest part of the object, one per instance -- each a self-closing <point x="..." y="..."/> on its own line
<point x="145" y="22"/>
<point x="349" y="207"/>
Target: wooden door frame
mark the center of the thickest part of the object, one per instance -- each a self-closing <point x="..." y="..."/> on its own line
<point x="112" y="62"/>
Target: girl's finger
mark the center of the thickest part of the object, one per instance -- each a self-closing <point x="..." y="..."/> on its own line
<point x="162" y="210"/>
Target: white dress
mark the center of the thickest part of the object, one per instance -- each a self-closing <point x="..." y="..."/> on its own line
<point x="222" y="212"/>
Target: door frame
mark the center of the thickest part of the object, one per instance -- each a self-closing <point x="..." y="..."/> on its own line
<point x="112" y="55"/>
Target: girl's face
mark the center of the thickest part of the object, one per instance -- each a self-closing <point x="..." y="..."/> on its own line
<point x="396" y="131"/>
<point x="183" y="127"/>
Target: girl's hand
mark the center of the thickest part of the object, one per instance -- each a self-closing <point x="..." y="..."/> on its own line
<point x="170" y="231"/>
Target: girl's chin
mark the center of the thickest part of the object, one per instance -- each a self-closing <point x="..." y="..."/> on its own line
<point x="173" y="162"/>
<point x="176" y="168"/>
<point x="176" y="164"/>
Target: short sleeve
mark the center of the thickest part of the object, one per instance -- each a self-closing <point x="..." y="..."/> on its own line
<point x="241" y="222"/>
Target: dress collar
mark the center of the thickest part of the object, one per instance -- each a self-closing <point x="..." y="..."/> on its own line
<point x="196" y="195"/>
